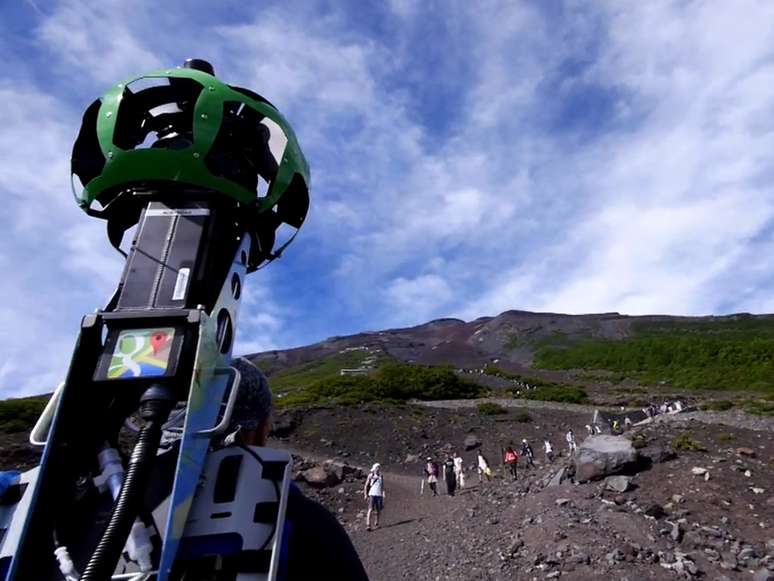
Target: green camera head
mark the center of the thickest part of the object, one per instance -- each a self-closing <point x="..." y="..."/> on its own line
<point x="183" y="129"/>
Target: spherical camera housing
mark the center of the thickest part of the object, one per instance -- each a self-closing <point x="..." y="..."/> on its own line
<point x="182" y="129"/>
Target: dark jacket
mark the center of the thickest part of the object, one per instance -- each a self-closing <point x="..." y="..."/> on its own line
<point x="317" y="545"/>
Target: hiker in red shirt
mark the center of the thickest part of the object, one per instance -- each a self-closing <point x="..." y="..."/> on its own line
<point x="511" y="460"/>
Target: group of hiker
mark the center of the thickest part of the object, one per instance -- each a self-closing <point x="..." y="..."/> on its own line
<point x="451" y="470"/>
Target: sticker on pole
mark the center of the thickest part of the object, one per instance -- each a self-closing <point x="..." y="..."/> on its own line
<point x="141" y="353"/>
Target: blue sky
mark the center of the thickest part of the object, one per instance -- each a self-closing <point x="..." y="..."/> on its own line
<point x="467" y="158"/>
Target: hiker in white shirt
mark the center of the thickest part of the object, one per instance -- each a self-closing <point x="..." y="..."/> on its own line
<point x="373" y="492"/>
<point x="459" y="472"/>
<point x="549" y="450"/>
<point x="570" y="437"/>
<point x="483" y="468"/>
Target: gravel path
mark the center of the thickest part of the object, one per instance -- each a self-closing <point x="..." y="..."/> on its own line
<point x="733" y="418"/>
<point x="508" y="403"/>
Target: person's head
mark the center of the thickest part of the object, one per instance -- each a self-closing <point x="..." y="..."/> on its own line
<point x="376" y="468"/>
<point x="524" y="441"/>
<point x="429" y="459"/>
<point x="253" y="407"/>
<point x="509" y="449"/>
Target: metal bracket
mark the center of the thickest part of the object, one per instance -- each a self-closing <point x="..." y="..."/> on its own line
<point x="39" y="434"/>
<point x="221" y="427"/>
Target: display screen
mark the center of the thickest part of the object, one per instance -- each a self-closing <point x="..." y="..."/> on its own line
<point x="141" y="353"/>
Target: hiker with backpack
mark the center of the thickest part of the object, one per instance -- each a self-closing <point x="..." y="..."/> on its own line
<point x="484" y="471"/>
<point x="431" y="475"/>
<point x="374" y="493"/>
<point x="526" y="452"/>
<point x="315" y="540"/>
<point x="511" y="461"/>
<point x="549" y="450"/>
<point x="448" y="475"/>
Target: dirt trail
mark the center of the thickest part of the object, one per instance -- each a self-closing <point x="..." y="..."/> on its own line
<point x="421" y="536"/>
<point x="733" y="418"/>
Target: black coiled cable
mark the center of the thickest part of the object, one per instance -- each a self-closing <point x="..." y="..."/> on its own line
<point x="157" y="403"/>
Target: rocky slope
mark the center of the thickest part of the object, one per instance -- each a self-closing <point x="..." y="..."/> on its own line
<point x="510" y="338"/>
<point x="705" y="513"/>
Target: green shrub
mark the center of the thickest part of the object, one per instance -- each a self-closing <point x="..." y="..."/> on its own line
<point x="521" y="416"/>
<point x="19" y="415"/>
<point x="720" y="405"/>
<point x="558" y="393"/>
<point x="735" y="353"/>
<point x="489" y="408"/>
<point x="724" y="437"/>
<point x="759" y="407"/>
<point x="392" y="383"/>
<point x="684" y="443"/>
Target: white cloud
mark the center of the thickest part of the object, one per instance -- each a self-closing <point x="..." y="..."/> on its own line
<point x="673" y="199"/>
<point x="95" y="39"/>
<point x="421" y="296"/>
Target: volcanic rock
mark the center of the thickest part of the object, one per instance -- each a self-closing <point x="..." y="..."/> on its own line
<point x="320" y="477"/>
<point x="618" y="483"/>
<point x="471" y="442"/>
<point x="600" y="456"/>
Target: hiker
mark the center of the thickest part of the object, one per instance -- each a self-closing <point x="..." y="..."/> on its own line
<point x="616" y="427"/>
<point x="589" y="429"/>
<point x="549" y="450"/>
<point x="483" y="468"/>
<point x="315" y="541"/>
<point x="374" y="493"/>
<point x="511" y="460"/>
<point x="459" y="471"/>
<point x="597" y="429"/>
<point x="570" y="437"/>
<point x="449" y="476"/>
<point x="526" y="452"/>
<point x="627" y="422"/>
<point x="431" y="475"/>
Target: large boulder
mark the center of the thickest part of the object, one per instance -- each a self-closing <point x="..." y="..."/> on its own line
<point x="320" y="477"/>
<point x="600" y="456"/>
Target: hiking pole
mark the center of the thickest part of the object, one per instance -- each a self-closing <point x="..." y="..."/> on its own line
<point x="208" y="173"/>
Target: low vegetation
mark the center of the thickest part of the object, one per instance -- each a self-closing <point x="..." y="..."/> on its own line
<point x="685" y="443"/>
<point x="557" y="392"/>
<point x="541" y="389"/>
<point x="735" y="354"/>
<point x="720" y="405"/>
<point x="391" y="383"/>
<point x="300" y="377"/>
<point x="19" y="415"/>
<point x="489" y="408"/>
<point x="759" y="407"/>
